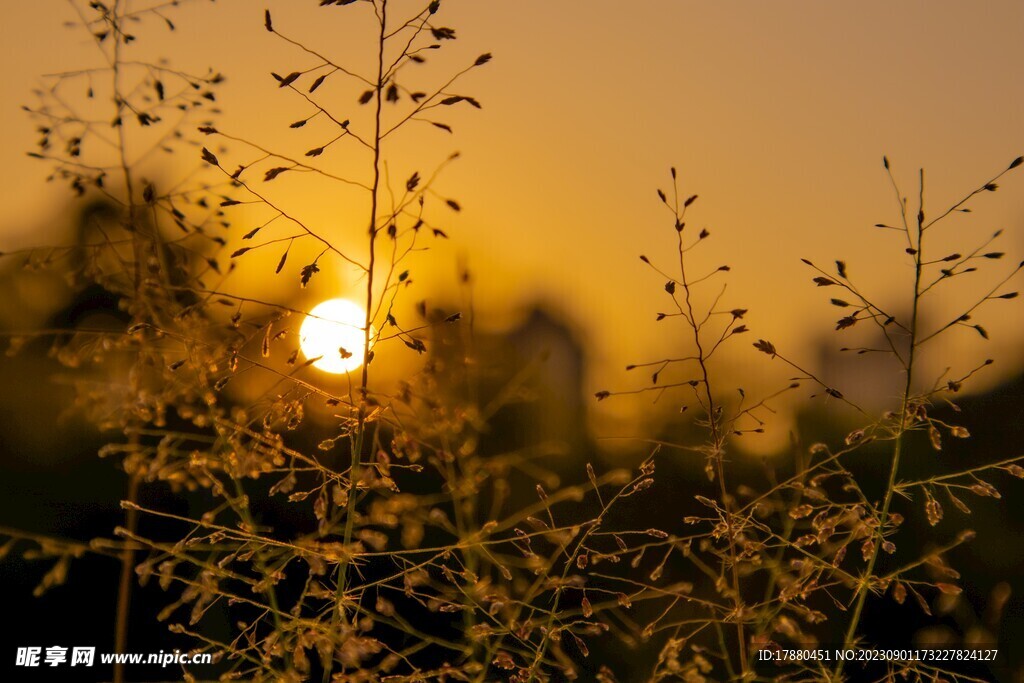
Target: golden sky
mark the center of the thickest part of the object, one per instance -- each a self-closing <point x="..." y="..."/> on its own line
<point x="776" y="114"/>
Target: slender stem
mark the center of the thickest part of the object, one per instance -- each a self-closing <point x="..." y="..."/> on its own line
<point x="549" y="630"/>
<point x="358" y="438"/>
<point x="897" y="451"/>
<point x="718" y="455"/>
<point x="962" y="473"/>
<point x="774" y="571"/>
<point x="126" y="579"/>
<point x="244" y="513"/>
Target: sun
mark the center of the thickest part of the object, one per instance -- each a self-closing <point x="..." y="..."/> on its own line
<point x="333" y="332"/>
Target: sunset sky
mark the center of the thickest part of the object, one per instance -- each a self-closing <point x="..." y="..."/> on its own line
<point x="776" y="114"/>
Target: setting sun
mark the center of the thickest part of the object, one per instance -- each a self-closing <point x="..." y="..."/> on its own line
<point x="333" y="331"/>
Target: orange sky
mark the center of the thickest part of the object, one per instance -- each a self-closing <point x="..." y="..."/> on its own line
<point x="776" y="114"/>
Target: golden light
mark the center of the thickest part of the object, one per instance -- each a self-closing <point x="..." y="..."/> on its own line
<point x="333" y="331"/>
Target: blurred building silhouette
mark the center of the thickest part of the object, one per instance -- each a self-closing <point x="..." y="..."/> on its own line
<point x="534" y="371"/>
<point x="548" y="353"/>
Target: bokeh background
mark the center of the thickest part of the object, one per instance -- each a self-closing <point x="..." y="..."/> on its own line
<point x="776" y="114"/>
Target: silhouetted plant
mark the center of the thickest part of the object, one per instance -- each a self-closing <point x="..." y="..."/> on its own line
<point x="383" y="541"/>
<point x="775" y="561"/>
<point x="100" y="127"/>
<point x="376" y="581"/>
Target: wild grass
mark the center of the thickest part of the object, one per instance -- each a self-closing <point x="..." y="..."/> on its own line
<point x="354" y="532"/>
<point x="799" y="558"/>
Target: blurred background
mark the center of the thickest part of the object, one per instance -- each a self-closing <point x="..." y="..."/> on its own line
<point x="776" y="115"/>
